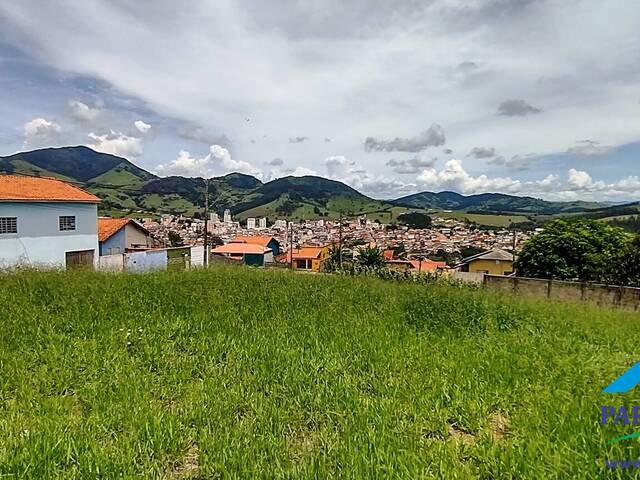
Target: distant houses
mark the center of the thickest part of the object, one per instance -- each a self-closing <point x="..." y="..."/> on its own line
<point x="247" y="253"/>
<point x="46" y="222"/>
<point x="268" y="242"/>
<point x="492" y="262"/>
<point x="121" y="235"/>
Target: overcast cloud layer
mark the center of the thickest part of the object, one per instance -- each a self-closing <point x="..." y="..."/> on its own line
<point x="518" y="96"/>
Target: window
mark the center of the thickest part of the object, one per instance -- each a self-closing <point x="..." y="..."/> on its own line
<point x="8" y="225"/>
<point x="67" y="222"/>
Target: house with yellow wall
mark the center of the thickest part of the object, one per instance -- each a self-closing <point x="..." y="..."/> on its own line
<point x="492" y="262"/>
<point x="309" y="258"/>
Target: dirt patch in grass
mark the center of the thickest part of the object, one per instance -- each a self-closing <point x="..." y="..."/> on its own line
<point x="462" y="436"/>
<point x="187" y="466"/>
<point x="498" y="426"/>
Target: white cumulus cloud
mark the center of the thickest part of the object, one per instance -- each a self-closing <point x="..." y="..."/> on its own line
<point x="40" y="132"/>
<point x="82" y="112"/>
<point x="142" y="126"/>
<point x="116" y="143"/>
<point x="217" y="162"/>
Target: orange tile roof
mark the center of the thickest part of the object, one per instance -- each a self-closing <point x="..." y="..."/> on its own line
<point x="307" y="252"/>
<point x="41" y="189"/>
<point x="107" y="227"/>
<point x="241" y="248"/>
<point x="427" y="265"/>
<point x="257" y="240"/>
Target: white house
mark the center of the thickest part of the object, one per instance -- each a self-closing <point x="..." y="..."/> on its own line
<point x="45" y="222"/>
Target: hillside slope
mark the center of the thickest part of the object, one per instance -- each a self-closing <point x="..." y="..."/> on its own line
<point x="250" y="373"/>
<point x="492" y="202"/>
<point x="128" y="189"/>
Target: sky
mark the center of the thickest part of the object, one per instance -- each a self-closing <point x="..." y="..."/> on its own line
<point x="526" y="97"/>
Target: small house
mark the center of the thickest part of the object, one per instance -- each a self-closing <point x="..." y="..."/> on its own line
<point x="122" y="235"/>
<point x="492" y="262"/>
<point x="247" y="253"/>
<point x="267" y="242"/>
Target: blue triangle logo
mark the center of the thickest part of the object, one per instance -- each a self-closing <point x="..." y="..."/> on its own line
<point x="626" y="381"/>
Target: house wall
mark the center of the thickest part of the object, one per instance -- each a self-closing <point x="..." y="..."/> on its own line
<point x="493" y="267"/>
<point x="115" y="244"/>
<point x="274" y="245"/>
<point x="134" y="237"/>
<point x="39" y="241"/>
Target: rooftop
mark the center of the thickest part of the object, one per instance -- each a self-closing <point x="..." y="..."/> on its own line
<point x="19" y="188"/>
<point x="241" y="249"/>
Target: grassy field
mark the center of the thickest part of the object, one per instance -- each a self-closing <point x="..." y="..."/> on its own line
<point x="482" y="219"/>
<point x="245" y="373"/>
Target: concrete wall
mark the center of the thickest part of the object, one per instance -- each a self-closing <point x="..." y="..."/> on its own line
<point x="468" y="277"/>
<point x="136" y="238"/>
<point x="39" y="241"/>
<point x="604" y="295"/>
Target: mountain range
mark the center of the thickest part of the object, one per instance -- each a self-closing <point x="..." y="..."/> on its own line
<point x="127" y="188"/>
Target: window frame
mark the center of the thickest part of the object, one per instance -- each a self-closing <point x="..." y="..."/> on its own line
<point x="71" y="227"/>
<point x="8" y="222"/>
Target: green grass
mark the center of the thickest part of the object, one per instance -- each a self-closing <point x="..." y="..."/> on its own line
<point x="482" y="219"/>
<point x="247" y="373"/>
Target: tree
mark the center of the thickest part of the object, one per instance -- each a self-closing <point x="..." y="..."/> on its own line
<point x="371" y="257"/>
<point x="415" y="220"/>
<point x="174" y="239"/>
<point x="584" y="250"/>
<point x="626" y="269"/>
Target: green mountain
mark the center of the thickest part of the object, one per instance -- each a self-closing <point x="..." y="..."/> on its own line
<point x="492" y="203"/>
<point x="127" y="189"/>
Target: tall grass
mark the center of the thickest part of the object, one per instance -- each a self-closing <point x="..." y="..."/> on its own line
<point x="244" y="373"/>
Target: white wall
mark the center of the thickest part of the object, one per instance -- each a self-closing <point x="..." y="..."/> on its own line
<point x="39" y="242"/>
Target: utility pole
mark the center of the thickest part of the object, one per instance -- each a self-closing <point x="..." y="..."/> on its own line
<point x="206" y="222"/>
<point x="290" y="245"/>
<point x="340" y="242"/>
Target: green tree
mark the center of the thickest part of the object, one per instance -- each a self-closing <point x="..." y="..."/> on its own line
<point x="174" y="239"/>
<point x="626" y="266"/>
<point x="371" y="257"/>
<point x="584" y="250"/>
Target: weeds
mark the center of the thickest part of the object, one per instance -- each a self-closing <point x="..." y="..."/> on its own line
<point x="244" y="373"/>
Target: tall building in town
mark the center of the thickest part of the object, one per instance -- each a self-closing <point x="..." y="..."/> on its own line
<point x="262" y="223"/>
<point x="251" y="223"/>
<point x="227" y="216"/>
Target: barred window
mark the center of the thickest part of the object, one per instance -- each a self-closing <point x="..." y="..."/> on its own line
<point x="67" y="222"/>
<point x="8" y="225"/>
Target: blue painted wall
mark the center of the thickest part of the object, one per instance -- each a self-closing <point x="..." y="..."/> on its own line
<point x="115" y="241"/>
<point x="274" y="245"/>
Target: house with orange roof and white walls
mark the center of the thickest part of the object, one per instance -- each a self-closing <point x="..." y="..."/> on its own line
<point x="46" y="222"/>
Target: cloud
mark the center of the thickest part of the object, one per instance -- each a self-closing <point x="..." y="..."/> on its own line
<point x="431" y="137"/>
<point x="81" y="112"/>
<point x="411" y="165"/>
<point x="516" y="162"/>
<point x="455" y="177"/>
<point x="327" y="139"/>
<point x="203" y="135"/>
<point x="589" y="148"/>
<point x="142" y="126"/>
<point x="302" y="172"/>
<point x="447" y="151"/>
<point x="217" y="162"/>
<point x="276" y="162"/>
<point x="516" y="108"/>
<point x="116" y="143"/>
<point x="40" y="132"/>
<point x="482" y="152"/>
<point x="298" y="139"/>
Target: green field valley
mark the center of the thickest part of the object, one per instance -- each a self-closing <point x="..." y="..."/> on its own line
<point x="247" y="373"/>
